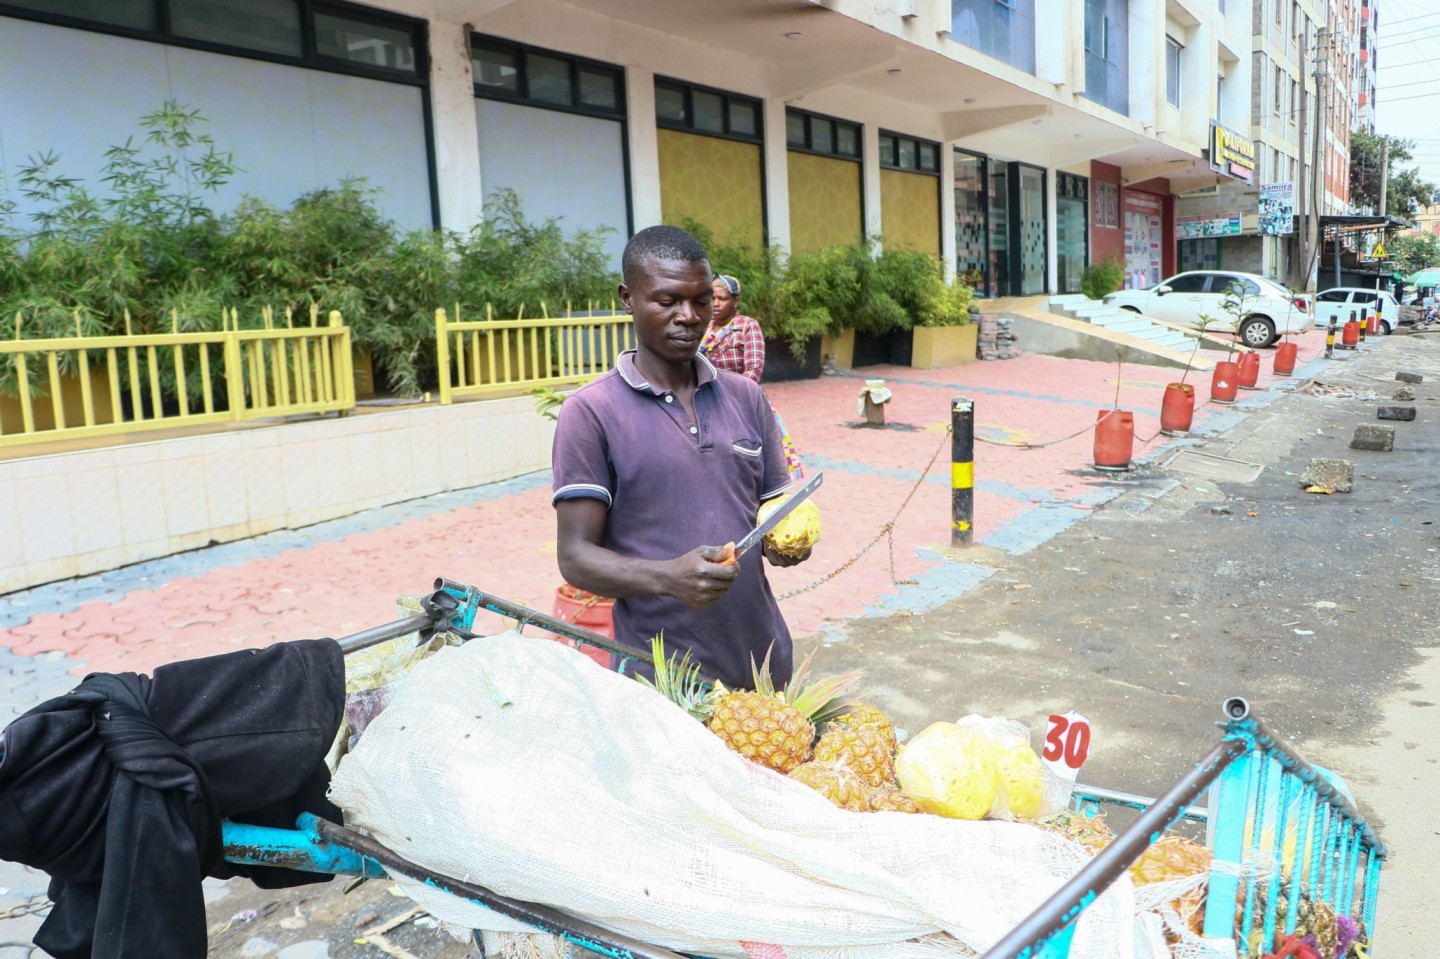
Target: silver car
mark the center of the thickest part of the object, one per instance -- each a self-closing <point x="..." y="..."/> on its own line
<point x="1267" y="309"/>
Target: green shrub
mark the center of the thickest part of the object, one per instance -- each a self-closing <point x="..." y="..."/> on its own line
<point x="1099" y="279"/>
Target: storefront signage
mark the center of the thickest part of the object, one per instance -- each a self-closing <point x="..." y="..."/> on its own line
<point x="1199" y="227"/>
<point x="1231" y="153"/>
<point x="1277" y="209"/>
<point x="1137" y="202"/>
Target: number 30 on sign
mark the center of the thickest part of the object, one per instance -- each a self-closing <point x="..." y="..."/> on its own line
<point x="1067" y="744"/>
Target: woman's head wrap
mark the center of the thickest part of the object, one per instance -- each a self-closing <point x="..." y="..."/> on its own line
<point x="732" y="284"/>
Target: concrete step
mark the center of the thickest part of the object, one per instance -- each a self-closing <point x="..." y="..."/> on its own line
<point x="1087" y="312"/>
<point x="1133" y="325"/>
<point x="1174" y="340"/>
<point x="1070" y="300"/>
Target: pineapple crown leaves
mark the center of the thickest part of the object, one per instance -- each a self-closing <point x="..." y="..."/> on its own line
<point x="677" y="678"/>
<point x="818" y="700"/>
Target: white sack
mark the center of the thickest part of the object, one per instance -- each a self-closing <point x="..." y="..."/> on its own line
<point x="590" y="793"/>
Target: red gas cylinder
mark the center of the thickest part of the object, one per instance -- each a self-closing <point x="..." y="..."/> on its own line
<point x="1224" y="382"/>
<point x="1177" y="409"/>
<point x="1350" y="334"/>
<point x="1114" y="439"/>
<point x="589" y="612"/>
<point x="1249" y="373"/>
<point x="1285" y="358"/>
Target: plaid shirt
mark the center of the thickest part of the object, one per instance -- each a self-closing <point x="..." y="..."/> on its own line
<point x="738" y="346"/>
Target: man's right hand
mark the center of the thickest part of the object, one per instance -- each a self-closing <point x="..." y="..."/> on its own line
<point x="702" y="576"/>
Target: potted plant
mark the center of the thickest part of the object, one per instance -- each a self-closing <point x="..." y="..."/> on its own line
<point x="1177" y="406"/>
<point x="572" y="604"/>
<point x="1225" y="381"/>
<point x="1286" y="349"/>
<point x="1099" y="279"/>
<point x="1114" y="431"/>
<point x="945" y="333"/>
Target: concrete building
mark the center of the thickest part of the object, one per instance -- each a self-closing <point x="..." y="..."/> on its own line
<point x="1292" y="41"/>
<point x="1020" y="140"/>
<point x="1367" y="29"/>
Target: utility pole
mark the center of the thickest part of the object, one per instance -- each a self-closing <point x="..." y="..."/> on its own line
<point x="1298" y="275"/>
<point x="1317" y="177"/>
<point x="1384" y="174"/>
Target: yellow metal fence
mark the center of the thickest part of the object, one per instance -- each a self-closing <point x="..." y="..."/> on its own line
<point x="95" y="386"/>
<point x="492" y="357"/>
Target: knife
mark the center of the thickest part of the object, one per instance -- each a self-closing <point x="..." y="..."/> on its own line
<point x="779" y="513"/>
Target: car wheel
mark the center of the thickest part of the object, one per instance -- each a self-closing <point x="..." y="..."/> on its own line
<point x="1384" y="328"/>
<point x="1257" y="331"/>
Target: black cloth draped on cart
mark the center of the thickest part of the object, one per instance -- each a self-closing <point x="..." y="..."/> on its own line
<point x="117" y="788"/>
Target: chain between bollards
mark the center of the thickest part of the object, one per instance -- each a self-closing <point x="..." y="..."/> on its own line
<point x="962" y="472"/>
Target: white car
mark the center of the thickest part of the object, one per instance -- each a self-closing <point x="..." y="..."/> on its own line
<point x="1345" y="300"/>
<point x="1186" y="299"/>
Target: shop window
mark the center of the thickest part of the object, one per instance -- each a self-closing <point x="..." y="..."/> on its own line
<point x="684" y="106"/>
<point x="814" y="133"/>
<point x="1072" y="230"/>
<point x="971" y="222"/>
<point x="1003" y="29"/>
<point x="504" y="70"/>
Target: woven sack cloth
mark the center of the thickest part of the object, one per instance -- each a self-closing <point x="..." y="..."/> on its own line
<point x="521" y="765"/>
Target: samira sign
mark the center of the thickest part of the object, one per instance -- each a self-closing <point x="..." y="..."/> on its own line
<point x="1231" y="153"/>
<point x="1277" y="208"/>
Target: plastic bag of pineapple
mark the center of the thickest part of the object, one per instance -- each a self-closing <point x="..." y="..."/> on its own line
<point x="515" y="763"/>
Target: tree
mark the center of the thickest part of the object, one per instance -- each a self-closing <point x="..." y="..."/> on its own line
<point x="1411" y="252"/>
<point x="1406" y="193"/>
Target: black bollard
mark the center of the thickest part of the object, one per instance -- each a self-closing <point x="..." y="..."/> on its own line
<point x="962" y="472"/>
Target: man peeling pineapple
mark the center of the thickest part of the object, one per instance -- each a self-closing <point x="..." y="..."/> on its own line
<point x="661" y="464"/>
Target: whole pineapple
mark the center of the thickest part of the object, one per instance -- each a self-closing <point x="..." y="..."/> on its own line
<point x="1092" y="832"/>
<point x="1176" y="857"/>
<point x="836" y="783"/>
<point x="869" y="717"/>
<point x="777" y="729"/>
<point x="1317" y="918"/>
<point x="891" y="800"/>
<point x="862" y="748"/>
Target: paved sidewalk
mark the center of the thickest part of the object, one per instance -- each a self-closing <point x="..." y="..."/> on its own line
<point x="341" y="576"/>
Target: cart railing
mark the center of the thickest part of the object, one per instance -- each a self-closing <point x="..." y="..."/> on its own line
<point x="1279" y="830"/>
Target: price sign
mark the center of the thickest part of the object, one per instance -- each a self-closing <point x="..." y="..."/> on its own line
<point x="1067" y="744"/>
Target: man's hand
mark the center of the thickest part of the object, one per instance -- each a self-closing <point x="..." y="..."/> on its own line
<point x="780" y="559"/>
<point x="702" y="576"/>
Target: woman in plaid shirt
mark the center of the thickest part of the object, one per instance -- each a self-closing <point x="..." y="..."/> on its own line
<point x="735" y="343"/>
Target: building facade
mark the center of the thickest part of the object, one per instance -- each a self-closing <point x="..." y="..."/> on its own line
<point x="1019" y="140"/>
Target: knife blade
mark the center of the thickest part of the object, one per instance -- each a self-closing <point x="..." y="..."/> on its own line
<point x="779" y="513"/>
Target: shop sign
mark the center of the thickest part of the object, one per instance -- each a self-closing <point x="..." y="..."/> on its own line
<point x="1137" y="202"/>
<point x="1231" y="153"/>
<point x="1200" y="227"/>
<point x="1277" y="209"/>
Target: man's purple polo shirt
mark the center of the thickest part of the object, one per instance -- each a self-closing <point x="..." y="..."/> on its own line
<point x="672" y="485"/>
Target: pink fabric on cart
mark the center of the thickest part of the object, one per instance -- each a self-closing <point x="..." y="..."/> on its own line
<point x="761" y="950"/>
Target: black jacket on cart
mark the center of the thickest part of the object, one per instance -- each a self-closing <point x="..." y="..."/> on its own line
<point x="117" y="788"/>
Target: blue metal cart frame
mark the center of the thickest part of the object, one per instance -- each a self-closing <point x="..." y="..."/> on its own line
<point x="1264" y="797"/>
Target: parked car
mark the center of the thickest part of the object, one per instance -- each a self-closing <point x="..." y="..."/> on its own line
<point x="1341" y="301"/>
<point x="1187" y="298"/>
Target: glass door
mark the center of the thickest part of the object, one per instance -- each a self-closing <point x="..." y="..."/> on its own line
<point x="972" y="262"/>
<point x="1030" y="186"/>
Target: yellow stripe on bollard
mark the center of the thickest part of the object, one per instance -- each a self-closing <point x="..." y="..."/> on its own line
<point x="962" y="475"/>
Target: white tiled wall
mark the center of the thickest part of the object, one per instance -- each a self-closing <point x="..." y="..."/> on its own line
<point x="79" y="513"/>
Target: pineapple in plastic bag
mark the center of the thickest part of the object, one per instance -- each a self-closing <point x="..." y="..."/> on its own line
<point x="950" y="771"/>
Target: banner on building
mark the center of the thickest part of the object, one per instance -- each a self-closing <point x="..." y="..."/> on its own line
<point x="1201" y="227"/>
<point x="1277" y="209"/>
<point x="1231" y="153"/>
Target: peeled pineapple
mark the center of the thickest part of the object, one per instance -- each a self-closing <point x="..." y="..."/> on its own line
<point x="836" y="783"/>
<point x="796" y="534"/>
<point x="949" y="771"/>
<point x="1022" y="780"/>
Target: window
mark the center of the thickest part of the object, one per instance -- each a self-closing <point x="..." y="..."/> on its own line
<point x="682" y="106"/>
<point x="502" y="70"/>
<point x="1106" y="59"/>
<point x="1188" y="283"/>
<point x="328" y="34"/>
<point x="1279" y="12"/>
<point x="813" y="133"/>
<point x="899" y="152"/>
<point x="1222" y="283"/>
<point x="272" y="26"/>
<point x="376" y="43"/>
<point x="1332" y="296"/>
<point x="1294" y="100"/>
<point x="1279" y="88"/>
<point x="1172" y="71"/>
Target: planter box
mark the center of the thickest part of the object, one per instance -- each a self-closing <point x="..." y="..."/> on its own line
<point x="781" y="365"/>
<point x="940" y="346"/>
<point x="841" y="346"/>
<point x="894" y="347"/>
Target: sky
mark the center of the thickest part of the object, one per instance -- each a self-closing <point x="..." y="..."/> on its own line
<point x="1407" y="85"/>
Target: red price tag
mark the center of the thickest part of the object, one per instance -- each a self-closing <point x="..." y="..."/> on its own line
<point x="1067" y="744"/>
